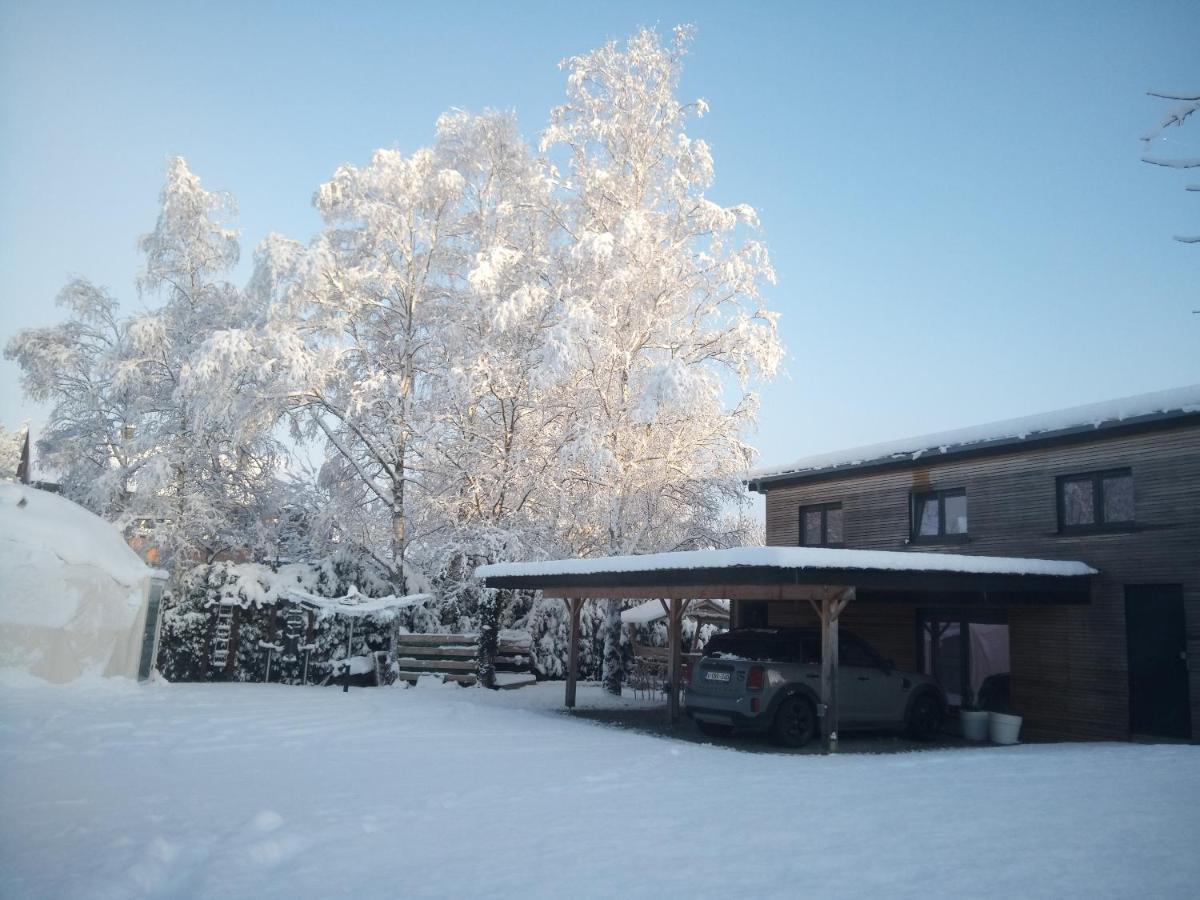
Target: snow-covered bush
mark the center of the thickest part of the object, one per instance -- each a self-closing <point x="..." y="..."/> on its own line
<point x="548" y="622"/>
<point x="258" y="596"/>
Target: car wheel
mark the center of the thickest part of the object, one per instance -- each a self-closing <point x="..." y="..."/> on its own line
<point x="925" y="717"/>
<point x="795" y="722"/>
<point x="715" y="729"/>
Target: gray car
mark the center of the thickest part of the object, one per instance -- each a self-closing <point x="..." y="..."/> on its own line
<point x="770" y="680"/>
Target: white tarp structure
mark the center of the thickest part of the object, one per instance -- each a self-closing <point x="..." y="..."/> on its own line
<point x="356" y="604"/>
<point x="73" y="595"/>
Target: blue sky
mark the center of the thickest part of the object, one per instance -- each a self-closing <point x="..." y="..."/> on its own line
<point x="951" y="193"/>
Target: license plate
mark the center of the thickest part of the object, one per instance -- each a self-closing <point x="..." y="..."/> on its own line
<point x="716" y="676"/>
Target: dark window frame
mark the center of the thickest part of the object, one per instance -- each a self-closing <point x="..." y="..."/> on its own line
<point x="915" y="503"/>
<point x="1099" y="523"/>
<point x="847" y="642"/>
<point x="823" y="509"/>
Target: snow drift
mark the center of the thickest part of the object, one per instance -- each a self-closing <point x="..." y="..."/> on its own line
<point x="73" y="595"/>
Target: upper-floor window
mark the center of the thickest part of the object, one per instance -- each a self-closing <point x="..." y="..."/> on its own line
<point x="1095" y="500"/>
<point x="940" y="515"/>
<point x="821" y="525"/>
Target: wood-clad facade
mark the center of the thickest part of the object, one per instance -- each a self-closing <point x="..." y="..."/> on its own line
<point x="1070" y="664"/>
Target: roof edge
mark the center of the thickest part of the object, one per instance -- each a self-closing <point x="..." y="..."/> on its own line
<point x="1156" y="421"/>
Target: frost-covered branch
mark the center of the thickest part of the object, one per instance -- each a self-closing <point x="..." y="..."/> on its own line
<point x="1188" y="104"/>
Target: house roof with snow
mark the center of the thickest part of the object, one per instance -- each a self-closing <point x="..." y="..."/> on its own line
<point x="1128" y="414"/>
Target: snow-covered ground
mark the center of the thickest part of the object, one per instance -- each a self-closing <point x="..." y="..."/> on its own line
<point x="111" y="789"/>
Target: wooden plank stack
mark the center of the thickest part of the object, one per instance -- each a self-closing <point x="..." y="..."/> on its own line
<point x="454" y="657"/>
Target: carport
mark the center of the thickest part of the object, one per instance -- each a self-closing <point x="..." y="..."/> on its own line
<point x="828" y="579"/>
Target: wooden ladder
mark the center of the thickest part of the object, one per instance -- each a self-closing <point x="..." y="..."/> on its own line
<point x="222" y="636"/>
<point x="296" y="626"/>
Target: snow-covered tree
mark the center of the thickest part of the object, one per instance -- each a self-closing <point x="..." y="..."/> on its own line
<point x="500" y="417"/>
<point x="1186" y="104"/>
<point x="152" y="417"/>
<point x="78" y="367"/>
<point x="492" y="353"/>
<point x="11" y="443"/>
<point x="664" y="327"/>
<point x="411" y="339"/>
<point x="357" y="336"/>
<point x="210" y="460"/>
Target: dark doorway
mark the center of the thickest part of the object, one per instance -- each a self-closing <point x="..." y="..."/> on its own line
<point x="1159" y="704"/>
<point x="966" y="651"/>
<point x="753" y="613"/>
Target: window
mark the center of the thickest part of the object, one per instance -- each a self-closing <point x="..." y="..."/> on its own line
<point x="821" y="526"/>
<point x="783" y="646"/>
<point x="1095" y="500"/>
<point x="852" y="653"/>
<point x="939" y="515"/>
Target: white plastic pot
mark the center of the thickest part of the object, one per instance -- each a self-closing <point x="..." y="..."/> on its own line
<point x="1004" y="728"/>
<point x="974" y="724"/>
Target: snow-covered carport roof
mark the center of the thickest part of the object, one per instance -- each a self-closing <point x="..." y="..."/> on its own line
<point x="828" y="579"/>
<point x="785" y="573"/>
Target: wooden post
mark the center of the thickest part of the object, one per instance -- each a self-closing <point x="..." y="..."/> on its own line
<point x="966" y="695"/>
<point x="675" y="637"/>
<point x="830" y="609"/>
<point x="829" y="676"/>
<point x="575" y="605"/>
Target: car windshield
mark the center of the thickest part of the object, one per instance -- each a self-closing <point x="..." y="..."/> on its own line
<point x="765" y="646"/>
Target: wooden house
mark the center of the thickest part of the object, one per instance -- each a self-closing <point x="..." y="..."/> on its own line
<point x="1115" y="485"/>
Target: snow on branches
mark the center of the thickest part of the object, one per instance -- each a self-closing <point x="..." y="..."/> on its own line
<point x="140" y="430"/>
<point x="1186" y="105"/>
<point x="491" y="351"/>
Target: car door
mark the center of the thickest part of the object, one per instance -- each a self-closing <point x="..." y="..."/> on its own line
<point x="877" y="690"/>
<point x="849" y="673"/>
<point x="849" y="712"/>
<point x="807" y="651"/>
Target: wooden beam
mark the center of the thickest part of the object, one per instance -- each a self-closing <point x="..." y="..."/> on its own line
<point x="830" y="609"/>
<point x="781" y="583"/>
<point x="828" y="713"/>
<point x="440" y="640"/>
<point x="675" y="644"/>
<point x="412" y="663"/>
<point x="707" y="591"/>
<point x="842" y="600"/>
<point x="575" y="605"/>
